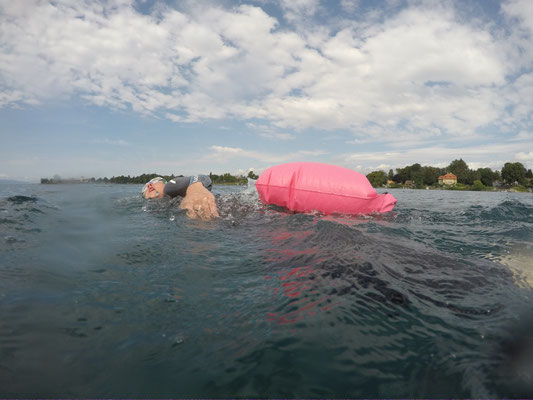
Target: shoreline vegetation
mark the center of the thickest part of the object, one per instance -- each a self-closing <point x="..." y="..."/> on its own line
<point x="513" y="177"/>
<point x="225" y="179"/>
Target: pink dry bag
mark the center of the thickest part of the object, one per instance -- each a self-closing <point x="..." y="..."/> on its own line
<point x="307" y="186"/>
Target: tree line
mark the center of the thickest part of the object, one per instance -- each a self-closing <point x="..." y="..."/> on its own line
<point x="226" y="178"/>
<point x="421" y="176"/>
<point x="416" y="175"/>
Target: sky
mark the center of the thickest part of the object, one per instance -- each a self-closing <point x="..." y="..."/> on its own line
<point x="124" y="87"/>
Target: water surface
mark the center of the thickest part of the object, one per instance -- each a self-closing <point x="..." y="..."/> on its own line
<point x="103" y="294"/>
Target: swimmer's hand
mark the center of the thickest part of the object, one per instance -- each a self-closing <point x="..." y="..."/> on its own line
<point x="199" y="203"/>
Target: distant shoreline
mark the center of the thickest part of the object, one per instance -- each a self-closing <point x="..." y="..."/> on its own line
<point x="511" y="189"/>
<point x="459" y="187"/>
<point x="80" y="182"/>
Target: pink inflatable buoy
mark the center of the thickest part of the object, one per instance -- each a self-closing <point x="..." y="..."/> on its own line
<point x="308" y="186"/>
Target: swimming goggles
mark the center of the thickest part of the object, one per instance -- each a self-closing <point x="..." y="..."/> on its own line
<point x="152" y="181"/>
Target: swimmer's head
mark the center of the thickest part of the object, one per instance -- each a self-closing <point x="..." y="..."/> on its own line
<point x="154" y="188"/>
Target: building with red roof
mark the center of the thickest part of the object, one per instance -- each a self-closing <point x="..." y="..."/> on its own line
<point x="448" y="179"/>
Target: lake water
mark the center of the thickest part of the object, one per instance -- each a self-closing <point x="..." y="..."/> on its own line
<point x="103" y="294"/>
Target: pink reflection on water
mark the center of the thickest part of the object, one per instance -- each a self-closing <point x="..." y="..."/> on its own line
<point x="359" y="219"/>
<point x="305" y="301"/>
<point x="298" y="283"/>
<point x="301" y="285"/>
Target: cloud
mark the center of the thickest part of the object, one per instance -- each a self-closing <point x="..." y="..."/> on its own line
<point x="524" y="135"/>
<point x="349" y="6"/>
<point x="486" y="155"/>
<point x="523" y="156"/>
<point x="277" y="135"/>
<point x="296" y="10"/>
<point x="112" y="142"/>
<point x="522" y="10"/>
<point x="424" y="71"/>
<point x="224" y="154"/>
<point x="270" y="132"/>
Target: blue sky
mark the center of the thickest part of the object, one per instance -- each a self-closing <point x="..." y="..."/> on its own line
<point x="103" y="88"/>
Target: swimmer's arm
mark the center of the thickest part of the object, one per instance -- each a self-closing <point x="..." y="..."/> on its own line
<point x="199" y="202"/>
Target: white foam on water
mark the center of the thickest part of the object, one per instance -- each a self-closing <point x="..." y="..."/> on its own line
<point x="519" y="259"/>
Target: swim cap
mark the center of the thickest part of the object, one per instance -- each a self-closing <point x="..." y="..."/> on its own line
<point x="153" y="180"/>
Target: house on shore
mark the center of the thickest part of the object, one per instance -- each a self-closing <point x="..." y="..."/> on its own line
<point x="448" y="179"/>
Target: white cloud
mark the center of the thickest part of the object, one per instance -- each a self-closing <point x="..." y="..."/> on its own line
<point x="296" y="10"/>
<point x="422" y="72"/>
<point x="224" y="154"/>
<point x="522" y="10"/>
<point x="486" y="155"/>
<point x="349" y="6"/>
<point x="523" y="156"/>
<point x="277" y="135"/>
<point x="112" y="142"/>
<point x="519" y="100"/>
<point x="269" y="132"/>
<point x="524" y="135"/>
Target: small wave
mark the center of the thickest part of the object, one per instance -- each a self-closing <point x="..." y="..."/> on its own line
<point x="238" y="206"/>
<point x="508" y="211"/>
<point x="20" y="219"/>
<point x="22" y="199"/>
<point x="346" y="260"/>
<point x="160" y="205"/>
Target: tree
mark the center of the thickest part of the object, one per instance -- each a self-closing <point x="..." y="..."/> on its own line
<point x="478" y="185"/>
<point x="411" y="172"/>
<point x="391" y="174"/>
<point x="227" y="177"/>
<point x="377" y="178"/>
<point x="430" y="175"/>
<point x="251" y="175"/>
<point x="486" y="176"/>
<point x="417" y="174"/>
<point x="514" y="172"/>
<point x="398" y="178"/>
<point x="460" y="169"/>
<point x="470" y="177"/>
<point x="529" y="174"/>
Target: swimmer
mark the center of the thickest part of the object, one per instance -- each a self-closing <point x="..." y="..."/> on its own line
<point x="195" y="190"/>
